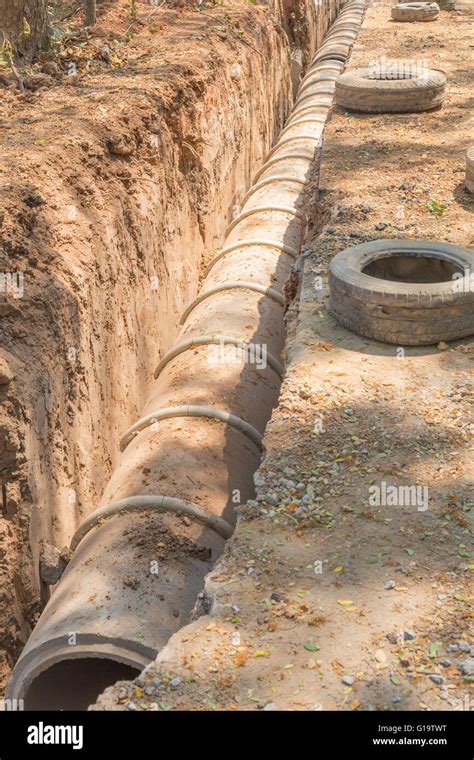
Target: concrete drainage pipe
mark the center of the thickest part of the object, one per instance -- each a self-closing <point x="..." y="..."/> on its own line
<point x="140" y="559"/>
<point x="406" y="292"/>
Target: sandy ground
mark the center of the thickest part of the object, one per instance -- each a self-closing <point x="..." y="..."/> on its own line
<point x="323" y="600"/>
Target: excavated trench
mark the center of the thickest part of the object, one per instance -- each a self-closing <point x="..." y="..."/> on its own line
<point x="140" y="558"/>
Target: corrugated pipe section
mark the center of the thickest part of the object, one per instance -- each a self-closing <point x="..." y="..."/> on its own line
<point x="140" y="559"/>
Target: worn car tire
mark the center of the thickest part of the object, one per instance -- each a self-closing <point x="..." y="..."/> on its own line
<point x="359" y="90"/>
<point x="404" y="312"/>
<point x="470" y="169"/>
<point x="415" y="11"/>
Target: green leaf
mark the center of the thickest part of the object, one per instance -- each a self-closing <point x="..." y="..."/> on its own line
<point x="312" y="647"/>
<point x="434" y="648"/>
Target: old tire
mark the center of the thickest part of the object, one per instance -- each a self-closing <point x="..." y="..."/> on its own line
<point x="415" y="12"/>
<point x="404" y="312"/>
<point x="359" y="90"/>
<point x="470" y="169"/>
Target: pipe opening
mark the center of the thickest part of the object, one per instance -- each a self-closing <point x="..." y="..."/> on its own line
<point x="75" y="684"/>
<point x="411" y="268"/>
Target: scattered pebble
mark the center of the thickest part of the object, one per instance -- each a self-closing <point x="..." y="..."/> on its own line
<point x="467" y="667"/>
<point x="276" y="596"/>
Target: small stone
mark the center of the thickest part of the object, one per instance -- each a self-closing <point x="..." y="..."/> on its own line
<point x="277" y="596"/>
<point x="149" y="690"/>
<point x="464" y="646"/>
<point x="53" y="562"/>
<point x="409" y="635"/>
<point x="438" y="680"/>
<point x="389" y="585"/>
<point x="392" y="637"/>
<point x="270" y="707"/>
<point x="452" y="648"/>
<point x="235" y="609"/>
<point x="175" y="682"/>
<point x="51" y="68"/>
<point x="381" y="226"/>
<point x="131" y="706"/>
<point x="445" y="663"/>
<point x="466" y="667"/>
<point x="6" y="375"/>
<point x="34" y="198"/>
<point x="348" y="680"/>
<point x="118" y="146"/>
<point x="36" y="81"/>
<point x="442" y="346"/>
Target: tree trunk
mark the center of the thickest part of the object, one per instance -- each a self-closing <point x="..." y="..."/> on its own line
<point x="90" y="17"/>
<point x="24" y="24"/>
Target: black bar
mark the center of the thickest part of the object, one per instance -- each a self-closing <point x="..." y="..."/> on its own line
<point x="133" y="735"/>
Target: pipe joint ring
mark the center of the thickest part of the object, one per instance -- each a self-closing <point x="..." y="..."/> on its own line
<point x="275" y="295"/>
<point x="155" y="503"/>
<point x="282" y="247"/>
<point x="192" y="410"/>
<point x="209" y="340"/>
<point x="262" y="209"/>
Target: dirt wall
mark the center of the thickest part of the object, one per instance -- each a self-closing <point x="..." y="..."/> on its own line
<point x="116" y="179"/>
